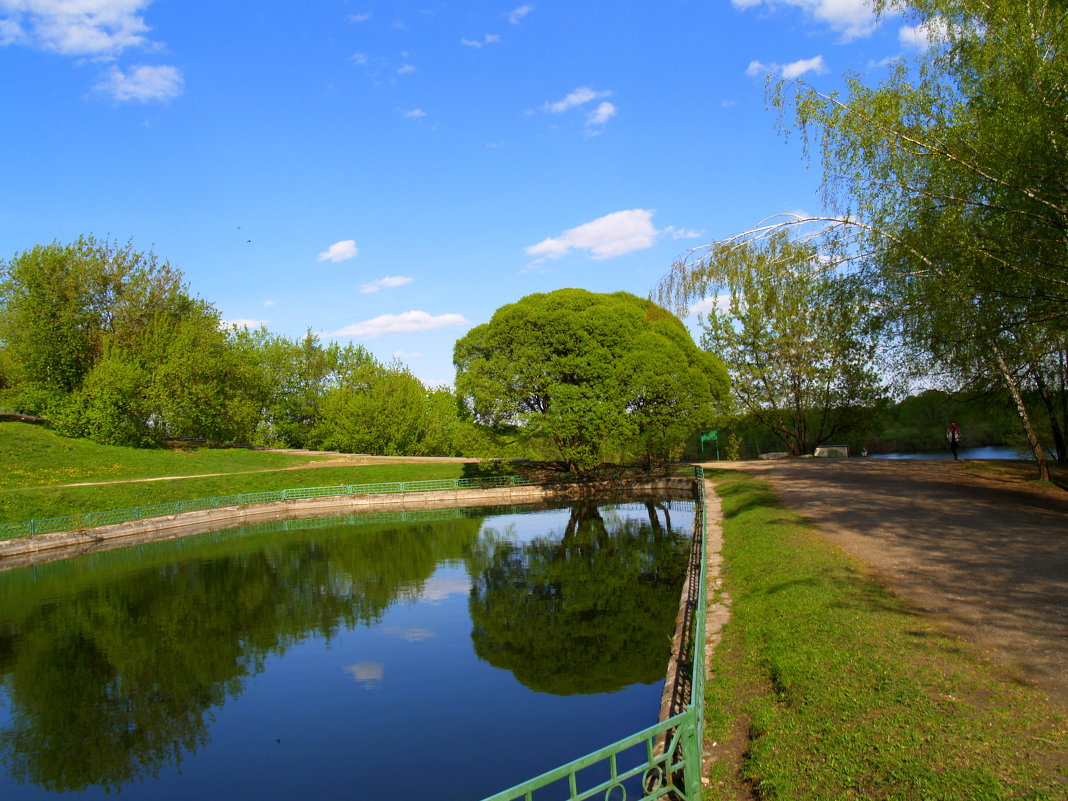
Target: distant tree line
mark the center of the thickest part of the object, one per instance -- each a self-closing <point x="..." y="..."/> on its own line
<point x="107" y="343"/>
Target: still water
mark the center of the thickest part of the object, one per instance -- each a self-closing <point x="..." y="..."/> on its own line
<point x="986" y="452"/>
<point x="357" y="657"/>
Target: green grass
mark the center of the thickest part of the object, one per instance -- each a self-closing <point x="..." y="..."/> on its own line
<point x="828" y="686"/>
<point x="33" y="456"/>
<point x="43" y="459"/>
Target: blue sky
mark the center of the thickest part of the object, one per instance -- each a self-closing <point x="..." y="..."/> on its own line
<point x="390" y="173"/>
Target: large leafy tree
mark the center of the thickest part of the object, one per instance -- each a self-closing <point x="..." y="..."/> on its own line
<point x="947" y="184"/>
<point x="62" y="305"/>
<point x="953" y="173"/>
<point x="798" y="339"/>
<point x="589" y="373"/>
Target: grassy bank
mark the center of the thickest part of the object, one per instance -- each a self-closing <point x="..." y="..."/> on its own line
<point x="33" y="461"/>
<point x="32" y="456"/>
<point x="828" y="686"/>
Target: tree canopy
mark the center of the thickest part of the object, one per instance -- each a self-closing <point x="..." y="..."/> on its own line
<point x="945" y="186"/>
<point x="798" y="339"/>
<point x="107" y="343"/>
<point x="592" y="374"/>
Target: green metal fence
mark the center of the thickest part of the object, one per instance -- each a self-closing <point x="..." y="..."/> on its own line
<point x="49" y="525"/>
<point x="665" y="758"/>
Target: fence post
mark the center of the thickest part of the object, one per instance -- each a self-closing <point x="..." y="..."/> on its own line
<point x="691" y="754"/>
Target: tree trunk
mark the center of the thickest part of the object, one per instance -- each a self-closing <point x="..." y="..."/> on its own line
<point x="1021" y="408"/>
<point x="1051" y="412"/>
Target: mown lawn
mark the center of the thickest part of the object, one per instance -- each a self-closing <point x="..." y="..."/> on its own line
<point x="32" y="456"/>
<point x="828" y="686"/>
<point x="34" y="460"/>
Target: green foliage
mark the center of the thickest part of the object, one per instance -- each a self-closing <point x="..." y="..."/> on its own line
<point x="376" y="409"/>
<point x="589" y="373"/>
<point x="919" y="422"/>
<point x="107" y="343"/>
<point x="832" y="687"/>
<point x="588" y="610"/>
<point x="948" y="177"/>
<point x="798" y="340"/>
<point x="110" y="406"/>
<point x="60" y="304"/>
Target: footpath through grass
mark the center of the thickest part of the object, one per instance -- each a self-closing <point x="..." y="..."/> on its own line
<point x="33" y="460"/>
<point x="32" y="456"/>
<point x="828" y="686"/>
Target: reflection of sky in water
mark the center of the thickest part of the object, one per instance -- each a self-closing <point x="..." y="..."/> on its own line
<point x="439" y="587"/>
<point x="369" y="674"/>
<point x="413" y="634"/>
<point x="315" y="717"/>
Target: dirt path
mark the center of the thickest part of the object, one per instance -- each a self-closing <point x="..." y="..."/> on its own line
<point x="986" y="553"/>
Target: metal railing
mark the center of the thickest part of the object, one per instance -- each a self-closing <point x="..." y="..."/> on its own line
<point x="30" y="528"/>
<point x="665" y="758"/>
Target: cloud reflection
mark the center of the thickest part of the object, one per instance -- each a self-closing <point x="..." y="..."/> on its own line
<point x="369" y="674"/>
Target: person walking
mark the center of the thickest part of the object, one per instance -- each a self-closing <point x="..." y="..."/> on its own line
<point x="953" y="437"/>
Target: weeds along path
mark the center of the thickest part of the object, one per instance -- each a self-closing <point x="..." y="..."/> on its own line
<point x="974" y="544"/>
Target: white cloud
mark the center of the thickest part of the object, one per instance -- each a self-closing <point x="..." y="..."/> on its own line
<point x="360" y="17"/>
<point x="516" y="16"/>
<point x="852" y="19"/>
<point x="409" y="634"/>
<point x="410" y="322"/>
<point x="489" y="38"/>
<point x="268" y="303"/>
<point x="705" y="305"/>
<point x="577" y="98"/>
<point x="142" y="83"/>
<point x="602" y="114"/>
<point x="361" y="58"/>
<point x="436" y="590"/>
<point x="403" y="354"/>
<point x="415" y="114"/>
<point x="683" y="233"/>
<point x="794" y="69"/>
<point x="606" y="237"/>
<point x="84" y="28"/>
<point x="385" y="283"/>
<point x="404" y="69"/>
<point x="924" y="35"/>
<point x="369" y="674"/>
<point x="340" y="251"/>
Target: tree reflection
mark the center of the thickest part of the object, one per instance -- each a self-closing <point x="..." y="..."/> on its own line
<point x="588" y="611"/>
<point x="118" y="679"/>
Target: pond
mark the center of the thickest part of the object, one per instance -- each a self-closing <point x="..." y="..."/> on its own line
<point x="986" y="452"/>
<point x="368" y="656"/>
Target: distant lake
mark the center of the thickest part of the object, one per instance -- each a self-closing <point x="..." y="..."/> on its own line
<point x="443" y="658"/>
<point x="989" y="452"/>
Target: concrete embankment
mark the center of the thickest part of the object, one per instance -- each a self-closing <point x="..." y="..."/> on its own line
<point x="61" y="545"/>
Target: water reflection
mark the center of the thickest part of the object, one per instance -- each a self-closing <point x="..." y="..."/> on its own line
<point x="574" y="613"/>
<point x="113" y="668"/>
<point x="111" y="673"/>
